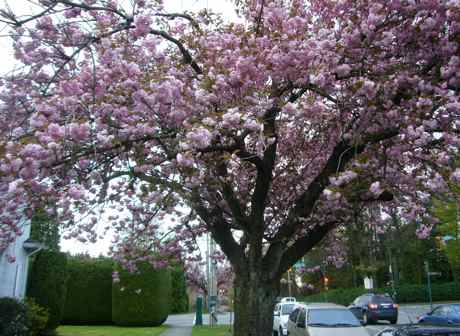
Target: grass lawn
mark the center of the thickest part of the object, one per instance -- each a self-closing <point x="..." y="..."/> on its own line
<point x="214" y="331"/>
<point x="108" y="331"/>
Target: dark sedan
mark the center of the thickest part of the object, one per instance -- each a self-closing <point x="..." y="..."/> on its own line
<point x="421" y="330"/>
<point x="370" y="308"/>
<point x="442" y="315"/>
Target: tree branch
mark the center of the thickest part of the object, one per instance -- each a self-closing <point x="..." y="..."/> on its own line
<point x="302" y="246"/>
<point x="187" y="57"/>
<point x="219" y="229"/>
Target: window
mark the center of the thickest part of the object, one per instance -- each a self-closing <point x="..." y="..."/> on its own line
<point x="286" y="309"/>
<point x="301" y="319"/>
<point x="438" y="312"/>
<point x="293" y="315"/>
<point x="381" y="299"/>
<point x="332" y="317"/>
<point x="364" y="300"/>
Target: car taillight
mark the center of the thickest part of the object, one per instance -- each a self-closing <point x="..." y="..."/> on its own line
<point x="395" y="306"/>
<point x="373" y="306"/>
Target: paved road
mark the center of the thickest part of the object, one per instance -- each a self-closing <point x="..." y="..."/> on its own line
<point x="407" y="314"/>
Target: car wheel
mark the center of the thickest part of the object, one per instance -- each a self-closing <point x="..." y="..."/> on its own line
<point x="394" y="321"/>
<point x="275" y="333"/>
<point x="280" y="333"/>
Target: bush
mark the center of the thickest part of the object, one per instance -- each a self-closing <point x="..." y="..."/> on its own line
<point x="179" y="297"/>
<point x="13" y="318"/>
<point x="37" y="316"/>
<point x="89" y="293"/>
<point x="143" y="298"/>
<point x="47" y="284"/>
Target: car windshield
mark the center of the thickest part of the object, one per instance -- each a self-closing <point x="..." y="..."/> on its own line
<point x="287" y="309"/>
<point x="455" y="308"/>
<point x="332" y="318"/>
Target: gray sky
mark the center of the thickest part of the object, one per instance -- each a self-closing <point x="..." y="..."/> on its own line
<point x="7" y="64"/>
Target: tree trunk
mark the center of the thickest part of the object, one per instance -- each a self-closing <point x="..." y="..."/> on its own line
<point x="255" y="298"/>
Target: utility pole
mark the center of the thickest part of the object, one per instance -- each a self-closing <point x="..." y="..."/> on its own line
<point x="211" y="266"/>
<point x="289" y="282"/>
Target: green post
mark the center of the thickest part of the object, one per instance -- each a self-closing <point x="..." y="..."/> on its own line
<point x="428" y="279"/>
<point x="199" y="311"/>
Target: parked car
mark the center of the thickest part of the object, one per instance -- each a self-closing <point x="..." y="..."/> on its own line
<point x="442" y="315"/>
<point x="323" y="319"/>
<point x="421" y="330"/>
<point x="370" y="308"/>
<point x="280" y="317"/>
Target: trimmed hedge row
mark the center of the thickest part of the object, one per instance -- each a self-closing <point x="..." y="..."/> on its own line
<point x="179" y="297"/>
<point x="47" y="284"/>
<point x="404" y="294"/>
<point x="141" y="299"/>
<point x="89" y="291"/>
<point x="90" y="296"/>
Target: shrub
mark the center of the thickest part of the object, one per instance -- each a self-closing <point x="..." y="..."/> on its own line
<point x="179" y="297"/>
<point x="143" y="298"/>
<point x="13" y="318"/>
<point x="47" y="284"/>
<point x="37" y="316"/>
<point x="89" y="293"/>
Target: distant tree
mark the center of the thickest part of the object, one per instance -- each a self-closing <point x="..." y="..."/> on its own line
<point x="446" y="207"/>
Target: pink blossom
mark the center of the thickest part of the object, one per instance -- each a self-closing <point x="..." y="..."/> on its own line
<point x="142" y="23"/>
<point x="376" y="189"/>
<point x="343" y="70"/>
<point x="455" y="176"/>
<point x="200" y="137"/>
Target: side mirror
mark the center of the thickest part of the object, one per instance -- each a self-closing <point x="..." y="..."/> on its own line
<point x="301" y="325"/>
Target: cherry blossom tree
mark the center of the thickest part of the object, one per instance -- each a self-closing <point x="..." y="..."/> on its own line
<point x="271" y="130"/>
<point x="196" y="277"/>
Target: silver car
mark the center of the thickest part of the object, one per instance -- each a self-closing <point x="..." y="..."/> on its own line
<point x="324" y="319"/>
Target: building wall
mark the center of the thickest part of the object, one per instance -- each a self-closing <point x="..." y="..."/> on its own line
<point x="13" y="276"/>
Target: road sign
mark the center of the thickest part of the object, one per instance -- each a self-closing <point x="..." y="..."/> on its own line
<point x="434" y="273"/>
<point x="300" y="264"/>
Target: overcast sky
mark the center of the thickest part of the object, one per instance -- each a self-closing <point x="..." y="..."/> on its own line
<point x="7" y="64"/>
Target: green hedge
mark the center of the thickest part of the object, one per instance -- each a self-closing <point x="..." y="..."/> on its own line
<point x="179" y="297"/>
<point x="47" y="284"/>
<point x="89" y="291"/>
<point x="449" y="291"/>
<point x="141" y="299"/>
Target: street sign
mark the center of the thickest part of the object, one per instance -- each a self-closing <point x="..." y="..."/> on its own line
<point x="434" y="273"/>
<point x="368" y="283"/>
<point x="300" y="264"/>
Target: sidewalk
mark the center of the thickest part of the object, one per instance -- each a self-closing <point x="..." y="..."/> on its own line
<point x="179" y="325"/>
<point x="178" y="331"/>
